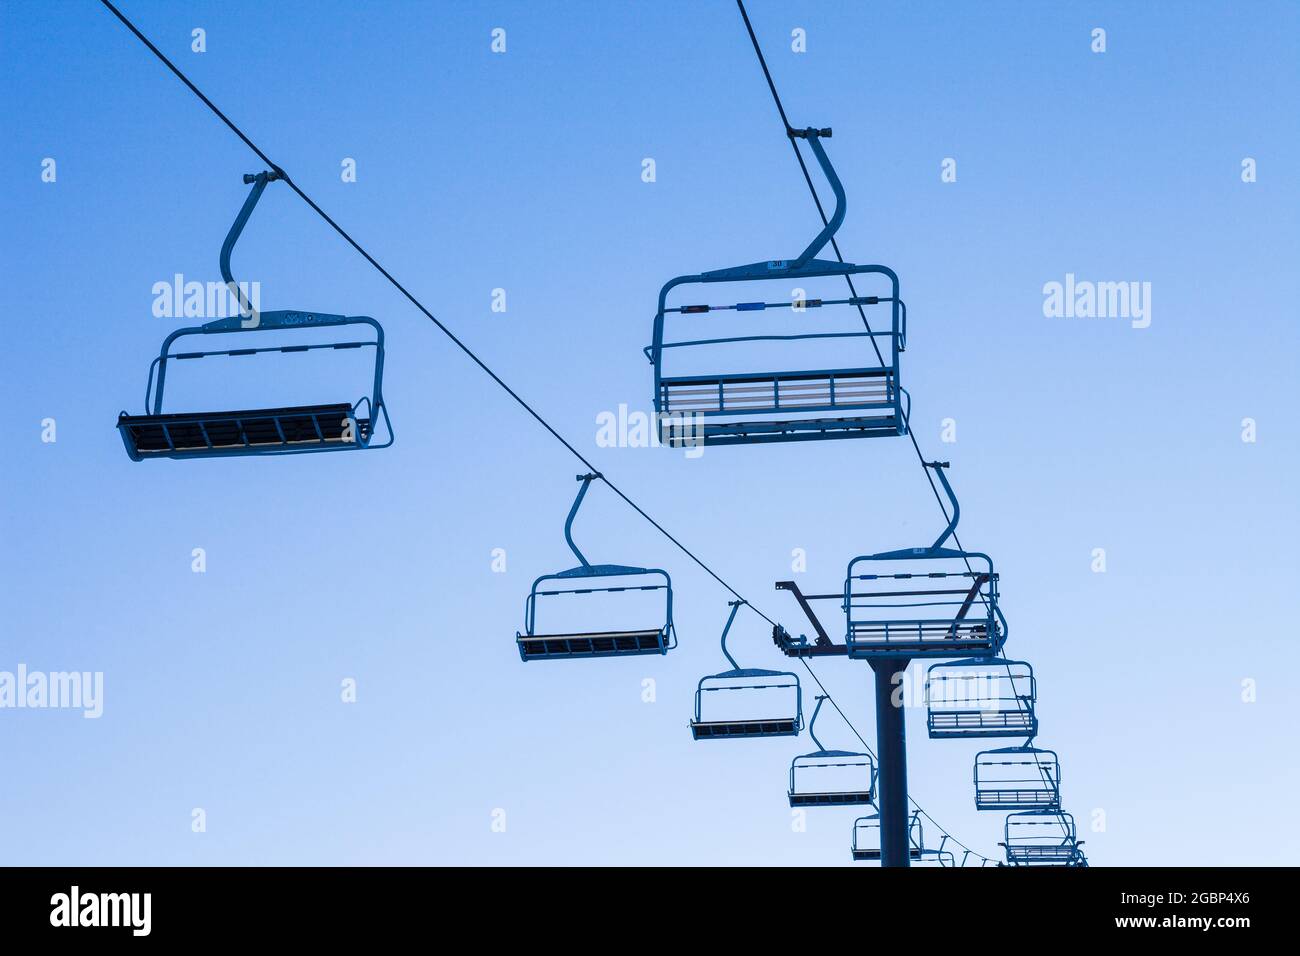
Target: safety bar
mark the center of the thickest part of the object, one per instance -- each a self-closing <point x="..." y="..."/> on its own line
<point x="598" y="571"/>
<point x="270" y="321"/>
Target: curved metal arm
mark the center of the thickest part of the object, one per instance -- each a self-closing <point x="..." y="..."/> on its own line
<point x="735" y="606"/>
<point x="939" y="467"/>
<point x="837" y="218"/>
<point x="812" y="723"/>
<point x="568" y="522"/>
<point x="258" y="182"/>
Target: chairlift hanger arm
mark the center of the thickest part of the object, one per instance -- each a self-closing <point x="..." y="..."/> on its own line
<point x="735" y="606"/>
<point x="275" y="319"/>
<point x="814" y="136"/>
<point x="812" y="723"/>
<point x="939" y="467"/>
<point x="568" y="522"/>
<point x="258" y="181"/>
<point x="806" y="263"/>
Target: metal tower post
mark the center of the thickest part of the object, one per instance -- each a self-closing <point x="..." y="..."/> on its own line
<point x="891" y="748"/>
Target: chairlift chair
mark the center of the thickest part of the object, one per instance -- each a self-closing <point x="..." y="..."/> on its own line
<point x="746" y="407"/>
<point x="337" y="426"/>
<point x="866" y="837"/>
<point x="1042" y="838"/>
<point x="856" y="770"/>
<point x="587" y="579"/>
<point x="990" y="697"/>
<point x="1017" y="778"/>
<point x="754" y="682"/>
<point x="898" y="616"/>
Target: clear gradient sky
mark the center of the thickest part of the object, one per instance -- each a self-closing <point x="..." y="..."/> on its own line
<point x="522" y="171"/>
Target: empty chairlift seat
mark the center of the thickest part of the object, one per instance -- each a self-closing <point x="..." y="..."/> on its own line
<point x="587" y="580"/>
<point x="1017" y="778"/>
<point x="924" y="602"/>
<point x="1042" y="838"/>
<point x="831" y="778"/>
<point x="990" y="697"/>
<point x="746" y="701"/>
<point x="612" y="643"/>
<point x="330" y="426"/>
<point x="866" y="838"/>
<point x="793" y="403"/>
<point x="336" y="426"/>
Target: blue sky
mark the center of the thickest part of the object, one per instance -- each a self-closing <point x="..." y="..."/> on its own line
<point x="522" y="171"/>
